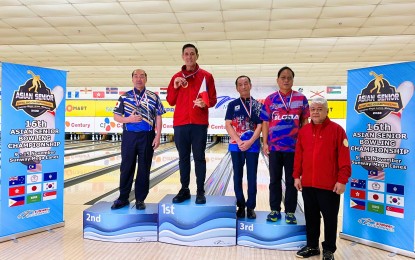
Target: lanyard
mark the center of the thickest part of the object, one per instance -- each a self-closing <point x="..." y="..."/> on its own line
<point x="250" y="106"/>
<point x="192" y="74"/>
<point x="138" y="103"/>
<point x="287" y="108"/>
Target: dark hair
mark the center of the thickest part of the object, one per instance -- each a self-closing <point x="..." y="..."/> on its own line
<point x="242" y="76"/>
<point x="132" y="74"/>
<point x="189" y="45"/>
<point x="285" y="68"/>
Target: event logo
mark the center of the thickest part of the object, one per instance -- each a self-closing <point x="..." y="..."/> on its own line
<point x="34" y="97"/>
<point x="375" y="224"/>
<point x="378" y="99"/>
<point x="33" y="213"/>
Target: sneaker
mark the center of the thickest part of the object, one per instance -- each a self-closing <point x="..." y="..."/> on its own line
<point x="240" y="213"/>
<point x="274" y="216"/>
<point x="184" y="194"/>
<point x="307" y="251"/>
<point x="200" y="198"/>
<point x="290" y="218"/>
<point x="119" y="204"/>
<point x="250" y="213"/>
<point x="328" y="255"/>
<point x="140" y="205"/>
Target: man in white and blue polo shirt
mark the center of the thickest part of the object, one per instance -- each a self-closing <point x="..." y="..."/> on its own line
<point x="140" y="111"/>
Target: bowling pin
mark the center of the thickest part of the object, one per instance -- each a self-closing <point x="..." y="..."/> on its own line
<point x="49" y="119"/>
<point x="394" y="121"/>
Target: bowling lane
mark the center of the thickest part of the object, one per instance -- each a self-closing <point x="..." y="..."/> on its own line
<point x="90" y="145"/>
<point x="84" y="168"/>
<point x="262" y="197"/>
<point x="88" y="190"/>
<point x="171" y="185"/>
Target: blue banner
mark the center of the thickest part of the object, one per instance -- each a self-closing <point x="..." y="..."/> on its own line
<point x="32" y="148"/>
<point x="380" y="128"/>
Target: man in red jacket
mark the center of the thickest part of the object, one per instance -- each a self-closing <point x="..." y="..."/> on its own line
<point x="322" y="168"/>
<point x="192" y="90"/>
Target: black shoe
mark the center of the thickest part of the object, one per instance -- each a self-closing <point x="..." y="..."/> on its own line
<point x="250" y="213"/>
<point x="240" y="213"/>
<point x="307" y="251"/>
<point x="328" y="255"/>
<point x="200" y="197"/>
<point x="119" y="204"/>
<point x="140" y="205"/>
<point x="184" y="194"/>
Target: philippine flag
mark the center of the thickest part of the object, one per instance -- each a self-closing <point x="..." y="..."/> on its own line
<point x="203" y="93"/>
<point x="357" y="204"/>
<point x="17" y="201"/>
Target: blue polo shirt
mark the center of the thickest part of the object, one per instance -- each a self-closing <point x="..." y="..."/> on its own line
<point x="146" y="103"/>
<point x="243" y="124"/>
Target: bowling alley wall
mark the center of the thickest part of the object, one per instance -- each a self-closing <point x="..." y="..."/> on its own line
<point x="89" y="109"/>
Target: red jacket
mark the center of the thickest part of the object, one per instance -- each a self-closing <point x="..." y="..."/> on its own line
<point x="322" y="155"/>
<point x="185" y="112"/>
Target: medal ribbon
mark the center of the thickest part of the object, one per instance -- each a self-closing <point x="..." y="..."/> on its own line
<point x="138" y="103"/>
<point x="287" y="108"/>
<point x="250" y="106"/>
<point x="192" y="74"/>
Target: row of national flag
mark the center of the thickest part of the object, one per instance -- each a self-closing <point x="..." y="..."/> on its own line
<point x="87" y="92"/>
<point x="376" y="196"/>
<point x="33" y="187"/>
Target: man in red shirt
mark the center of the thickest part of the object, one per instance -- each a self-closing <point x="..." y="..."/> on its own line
<point x="192" y="91"/>
<point x="321" y="183"/>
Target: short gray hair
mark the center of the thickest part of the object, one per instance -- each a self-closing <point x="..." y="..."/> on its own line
<point x="320" y="100"/>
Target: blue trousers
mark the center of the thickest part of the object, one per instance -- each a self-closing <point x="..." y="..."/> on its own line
<point x="278" y="161"/>
<point x="191" y="138"/>
<point x="238" y="162"/>
<point x="136" y="148"/>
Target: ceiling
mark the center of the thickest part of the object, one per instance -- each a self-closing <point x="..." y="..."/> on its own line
<point x="99" y="42"/>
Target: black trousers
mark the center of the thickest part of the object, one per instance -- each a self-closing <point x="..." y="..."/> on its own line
<point x="191" y="138"/>
<point x="278" y="161"/>
<point x="136" y="148"/>
<point x="327" y="203"/>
